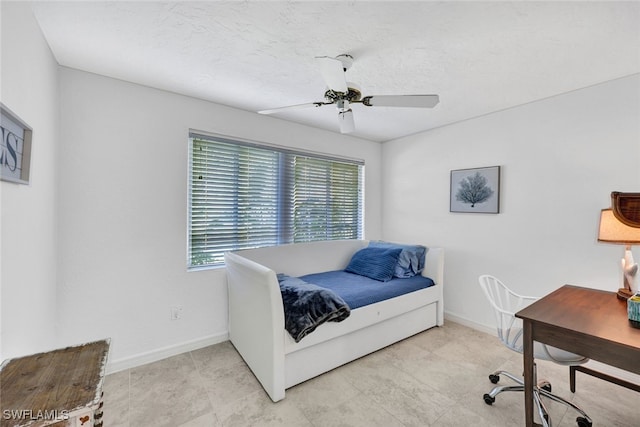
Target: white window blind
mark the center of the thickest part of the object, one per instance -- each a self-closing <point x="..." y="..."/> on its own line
<point x="243" y="195"/>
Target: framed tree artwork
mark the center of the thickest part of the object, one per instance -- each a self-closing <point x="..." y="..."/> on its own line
<point x="475" y="190"/>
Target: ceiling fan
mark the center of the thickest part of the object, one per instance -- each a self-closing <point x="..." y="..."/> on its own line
<point x="342" y="94"/>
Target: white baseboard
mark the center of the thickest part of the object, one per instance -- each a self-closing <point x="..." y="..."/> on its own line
<point x="164" y="352"/>
<point x="491" y="330"/>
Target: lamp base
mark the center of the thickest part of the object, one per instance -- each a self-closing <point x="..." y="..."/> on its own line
<point x="624" y="294"/>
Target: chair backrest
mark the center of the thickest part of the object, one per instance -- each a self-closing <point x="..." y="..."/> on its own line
<point x="505" y="304"/>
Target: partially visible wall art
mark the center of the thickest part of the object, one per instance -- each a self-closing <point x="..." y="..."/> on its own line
<point x="475" y="190"/>
<point x="15" y="148"/>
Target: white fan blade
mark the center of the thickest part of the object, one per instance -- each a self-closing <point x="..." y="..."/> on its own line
<point x="416" y="101"/>
<point x="347" y="125"/>
<point x="333" y="73"/>
<point x="293" y="107"/>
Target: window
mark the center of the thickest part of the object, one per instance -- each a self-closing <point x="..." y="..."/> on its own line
<point x="244" y="195"/>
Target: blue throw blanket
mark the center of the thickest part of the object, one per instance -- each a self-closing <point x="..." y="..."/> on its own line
<point x="307" y="306"/>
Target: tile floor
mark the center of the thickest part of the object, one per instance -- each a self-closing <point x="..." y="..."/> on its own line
<point x="436" y="378"/>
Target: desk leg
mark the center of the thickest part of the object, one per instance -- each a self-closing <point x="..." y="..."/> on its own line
<point x="528" y="372"/>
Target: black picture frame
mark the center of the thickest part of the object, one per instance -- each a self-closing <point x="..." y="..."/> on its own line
<point x="475" y="190"/>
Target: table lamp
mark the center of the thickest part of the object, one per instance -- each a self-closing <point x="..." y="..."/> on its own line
<point x="612" y="230"/>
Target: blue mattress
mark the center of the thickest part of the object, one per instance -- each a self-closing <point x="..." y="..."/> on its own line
<point x="358" y="291"/>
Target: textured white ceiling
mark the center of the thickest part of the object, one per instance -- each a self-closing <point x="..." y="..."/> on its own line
<point x="480" y="57"/>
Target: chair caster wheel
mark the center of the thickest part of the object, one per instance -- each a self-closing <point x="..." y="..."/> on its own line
<point x="494" y="378"/>
<point x="583" y="422"/>
<point x="489" y="400"/>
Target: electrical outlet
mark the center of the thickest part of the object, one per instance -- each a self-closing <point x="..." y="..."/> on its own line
<point x="176" y="312"/>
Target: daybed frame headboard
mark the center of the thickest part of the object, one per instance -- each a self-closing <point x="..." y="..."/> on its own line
<point x="318" y="256"/>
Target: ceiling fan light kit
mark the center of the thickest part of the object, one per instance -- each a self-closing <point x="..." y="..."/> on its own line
<point x="347" y="124"/>
<point x="342" y="94"/>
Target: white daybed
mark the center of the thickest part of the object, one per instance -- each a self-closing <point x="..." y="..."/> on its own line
<point x="256" y="313"/>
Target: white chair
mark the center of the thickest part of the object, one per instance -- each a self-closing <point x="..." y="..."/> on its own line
<point x="505" y="304"/>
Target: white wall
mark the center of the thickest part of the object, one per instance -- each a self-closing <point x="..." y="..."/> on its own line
<point x="104" y="217"/>
<point x="123" y="212"/>
<point x="561" y="157"/>
<point x="28" y="258"/>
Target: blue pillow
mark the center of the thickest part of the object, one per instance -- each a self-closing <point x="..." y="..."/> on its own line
<point x="411" y="259"/>
<point x="375" y="263"/>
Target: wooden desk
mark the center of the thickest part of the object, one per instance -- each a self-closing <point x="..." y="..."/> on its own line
<point x="585" y="321"/>
<point x="61" y="388"/>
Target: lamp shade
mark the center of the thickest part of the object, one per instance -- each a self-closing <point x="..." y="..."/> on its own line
<point x="613" y="231"/>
